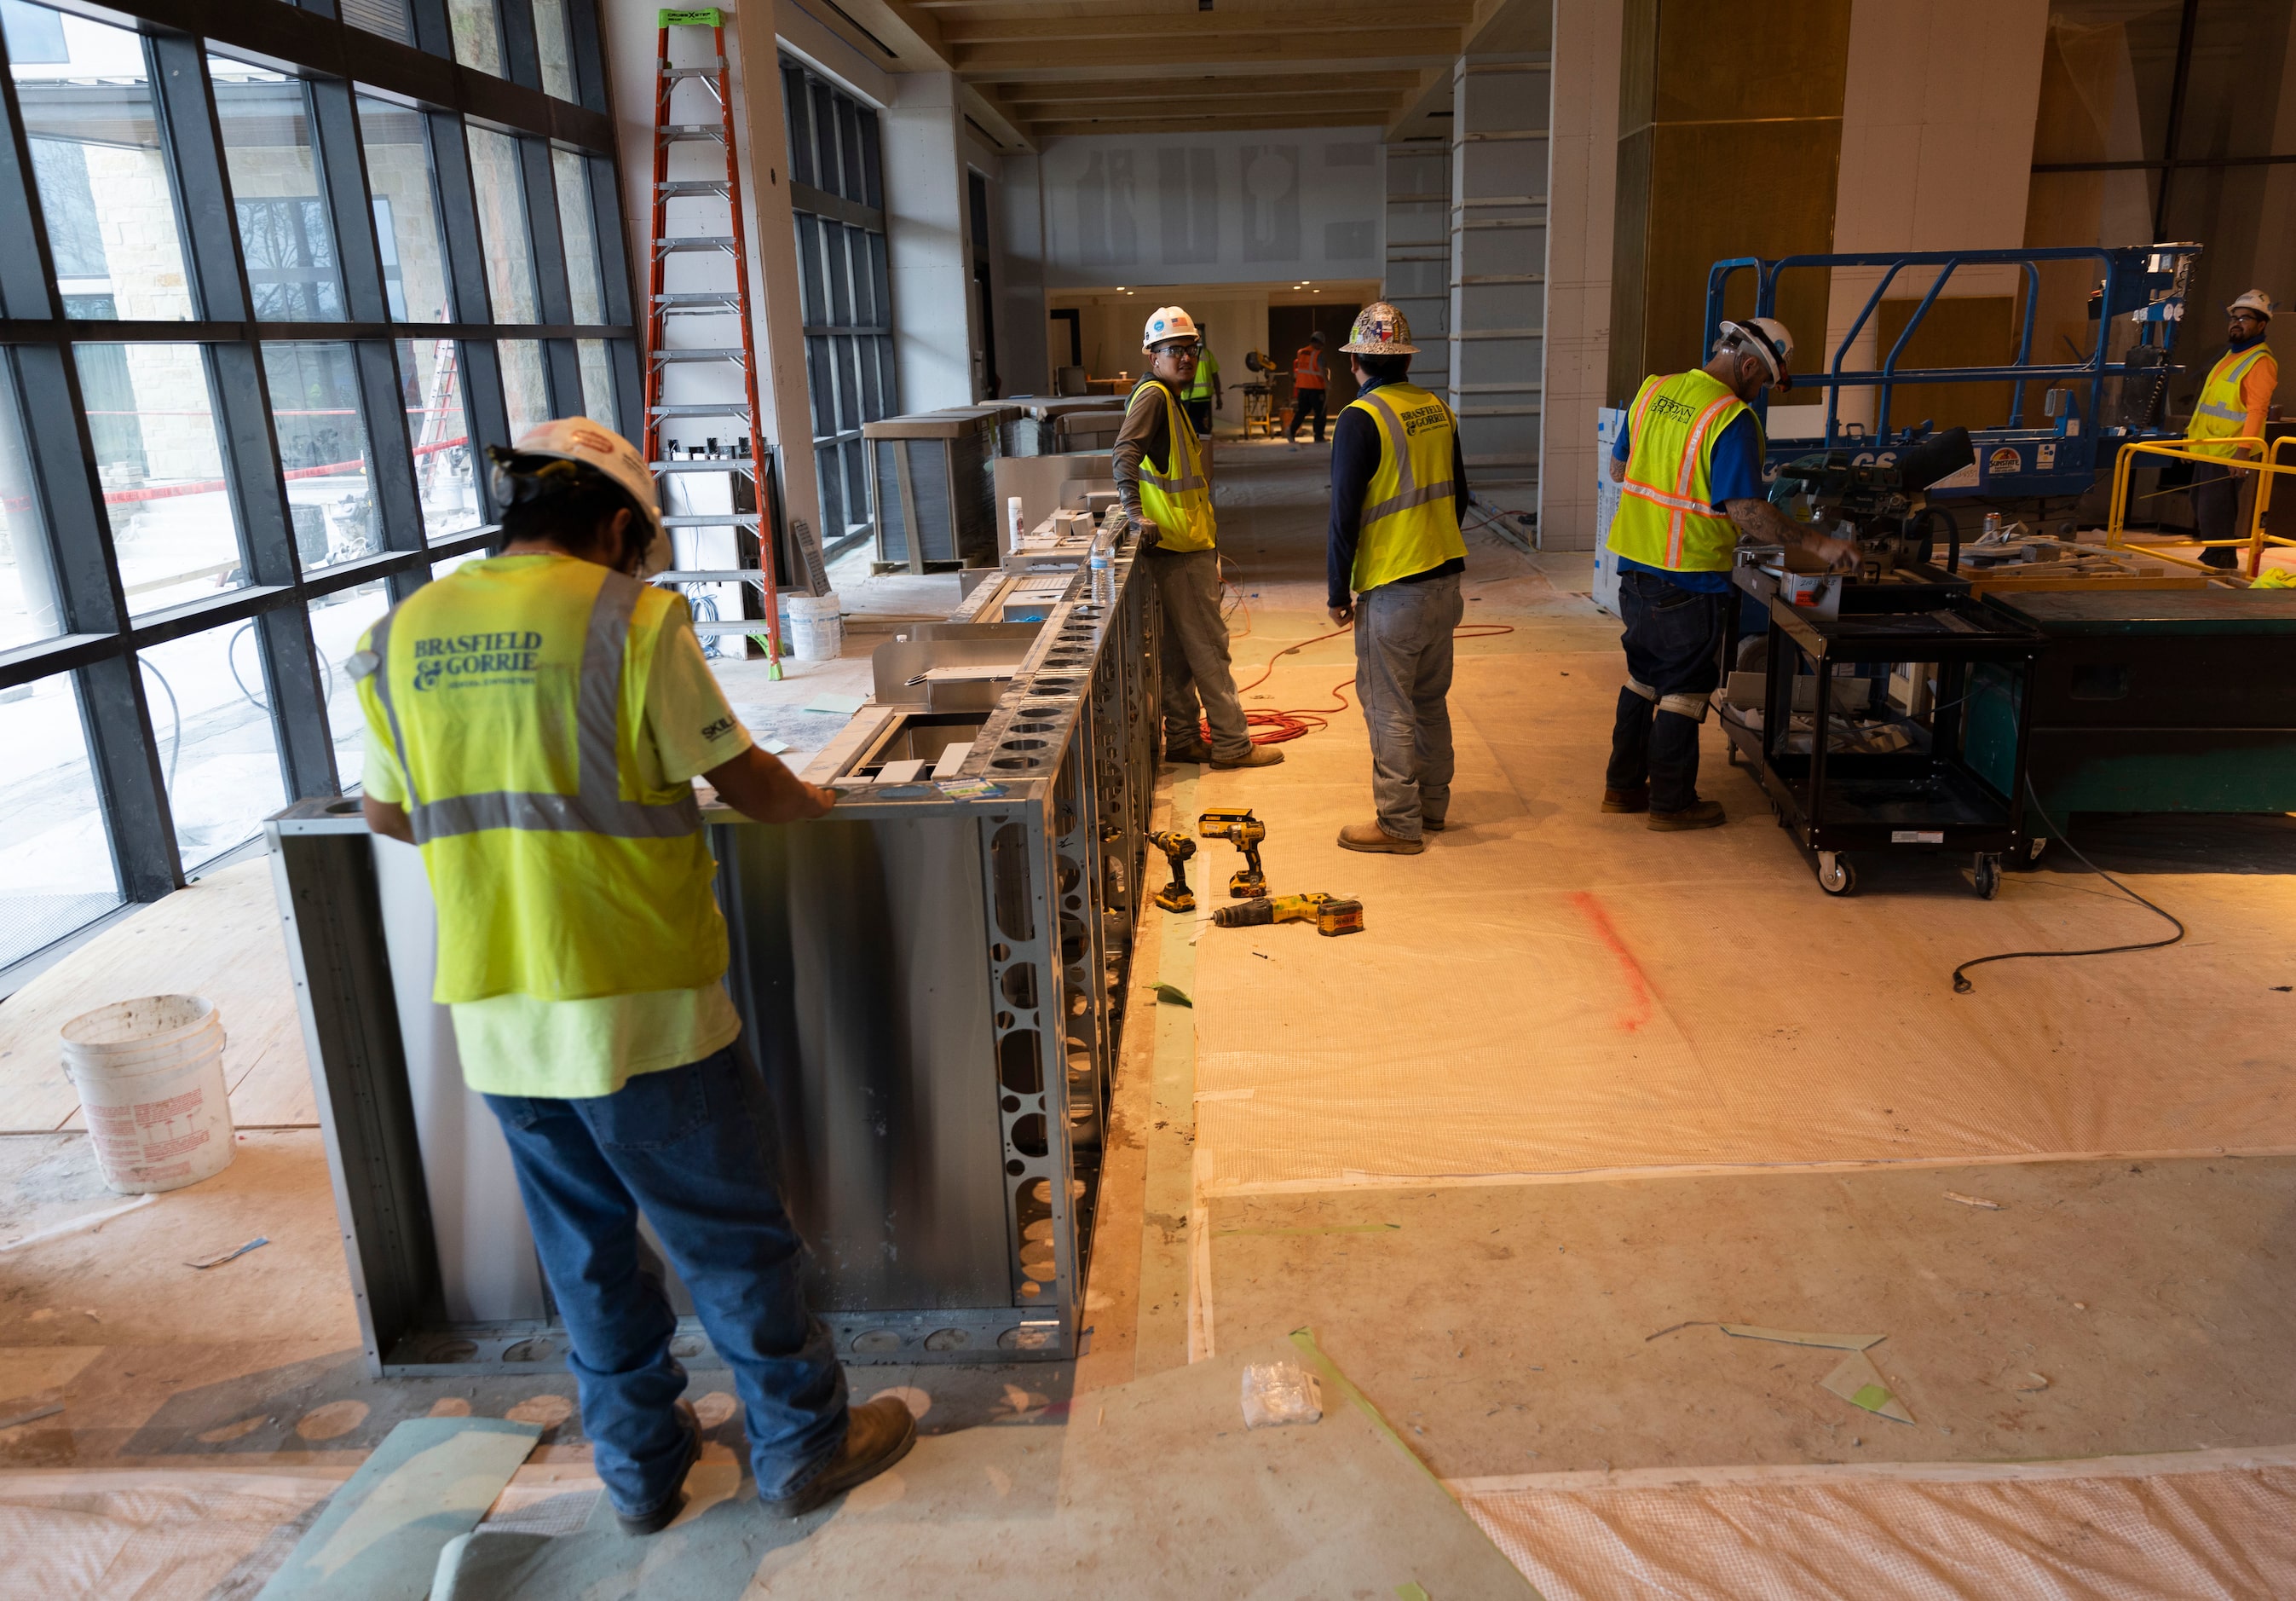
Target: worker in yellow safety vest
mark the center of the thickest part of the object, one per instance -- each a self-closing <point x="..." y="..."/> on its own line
<point x="2232" y="404"/>
<point x="1393" y="559"/>
<point x="535" y="722"/>
<point x="1689" y="465"/>
<point x="1159" y="472"/>
<point x="1310" y="383"/>
<point x="1204" y="397"/>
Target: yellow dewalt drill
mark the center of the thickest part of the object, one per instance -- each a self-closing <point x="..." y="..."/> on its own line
<point x="1240" y="829"/>
<point x="1330" y="914"/>
<point x="1176" y="896"/>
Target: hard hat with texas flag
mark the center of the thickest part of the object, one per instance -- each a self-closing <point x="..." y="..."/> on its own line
<point x="1379" y="330"/>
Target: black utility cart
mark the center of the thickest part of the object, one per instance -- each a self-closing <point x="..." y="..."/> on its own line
<point x="1869" y="731"/>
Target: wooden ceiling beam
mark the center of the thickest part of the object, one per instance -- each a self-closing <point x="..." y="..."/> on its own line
<point x="955" y="31"/>
<point x="1172" y="56"/>
<point x="1131" y="125"/>
<point x="1101" y="90"/>
<point x="1216" y="113"/>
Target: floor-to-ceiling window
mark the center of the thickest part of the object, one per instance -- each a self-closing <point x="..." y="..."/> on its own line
<point x="837" y="187"/>
<point x="271" y="290"/>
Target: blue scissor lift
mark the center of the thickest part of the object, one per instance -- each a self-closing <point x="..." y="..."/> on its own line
<point x="2142" y="288"/>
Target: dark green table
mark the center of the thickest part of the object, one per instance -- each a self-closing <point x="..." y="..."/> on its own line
<point x="2157" y="701"/>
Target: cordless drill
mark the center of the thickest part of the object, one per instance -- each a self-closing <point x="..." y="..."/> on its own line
<point x="1240" y="829"/>
<point x="1330" y="914"/>
<point x="1176" y="896"/>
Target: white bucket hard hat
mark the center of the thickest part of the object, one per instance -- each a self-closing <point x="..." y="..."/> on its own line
<point x="2255" y="300"/>
<point x="1767" y="338"/>
<point x="593" y="445"/>
<point x="1165" y="324"/>
<point x="1379" y="330"/>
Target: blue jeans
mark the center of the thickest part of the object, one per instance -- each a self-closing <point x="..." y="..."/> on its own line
<point x="694" y="1148"/>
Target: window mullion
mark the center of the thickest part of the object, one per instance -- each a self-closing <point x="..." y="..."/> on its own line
<point x="589" y="58"/>
<point x="28" y="285"/>
<point x="520" y="55"/>
<point x="342" y="169"/>
<point x="186" y="107"/>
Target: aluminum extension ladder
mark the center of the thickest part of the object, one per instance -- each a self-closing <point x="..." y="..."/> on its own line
<point x="706" y="372"/>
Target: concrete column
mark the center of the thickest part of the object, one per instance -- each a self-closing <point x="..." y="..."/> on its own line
<point x="1582" y="192"/>
<point x="928" y="243"/>
<point x="1017" y="197"/>
<point x="1418" y="268"/>
<point x="761" y="139"/>
<point x="1723" y="150"/>
<point x="1498" y="269"/>
<point x="1937" y="136"/>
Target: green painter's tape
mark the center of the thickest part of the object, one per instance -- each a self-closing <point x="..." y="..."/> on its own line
<point x="1872" y="1397"/>
<point x="711" y="18"/>
<point x="1412" y="1591"/>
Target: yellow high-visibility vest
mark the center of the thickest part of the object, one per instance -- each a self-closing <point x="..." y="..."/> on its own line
<point x="1177" y="500"/>
<point x="1666" y="516"/>
<point x="2219" y="415"/>
<point x="513" y="691"/>
<point x="1411" y="512"/>
<point x="1207" y="369"/>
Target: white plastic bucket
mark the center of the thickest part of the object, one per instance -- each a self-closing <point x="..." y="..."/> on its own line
<point x="817" y="627"/>
<point x="150" y="1077"/>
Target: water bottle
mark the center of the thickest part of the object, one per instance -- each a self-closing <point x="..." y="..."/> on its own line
<point x="1103" y="577"/>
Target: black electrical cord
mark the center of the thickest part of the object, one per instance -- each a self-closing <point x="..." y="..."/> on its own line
<point x="176" y="711"/>
<point x="1962" y="985"/>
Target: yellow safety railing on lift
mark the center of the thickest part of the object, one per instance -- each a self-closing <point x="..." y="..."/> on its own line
<point x="2267" y="469"/>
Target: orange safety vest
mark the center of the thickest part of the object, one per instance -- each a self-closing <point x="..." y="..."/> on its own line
<point x="1307" y="368"/>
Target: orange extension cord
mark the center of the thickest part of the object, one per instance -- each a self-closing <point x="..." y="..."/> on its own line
<point x="1279" y="728"/>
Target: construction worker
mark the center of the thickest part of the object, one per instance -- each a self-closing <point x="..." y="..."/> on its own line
<point x="1309" y="379"/>
<point x="1394" y="557"/>
<point x="1689" y="460"/>
<point x="2234" y="402"/>
<point x="534" y="723"/>
<point x="1204" y="395"/>
<point x="1159" y="472"/>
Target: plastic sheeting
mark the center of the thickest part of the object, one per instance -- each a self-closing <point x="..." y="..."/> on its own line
<point x="2152" y="1528"/>
<point x="138" y="1534"/>
<point x="1548" y="990"/>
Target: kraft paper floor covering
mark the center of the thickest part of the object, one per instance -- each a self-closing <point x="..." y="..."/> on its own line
<point x="1549" y="990"/>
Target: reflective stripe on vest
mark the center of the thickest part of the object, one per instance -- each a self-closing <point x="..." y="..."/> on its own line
<point x="1177" y="500"/>
<point x="1307" y="368"/>
<point x="1410" y="514"/>
<point x="597" y="806"/>
<point x="562" y="866"/>
<point x="2220" y="413"/>
<point x="1666" y="518"/>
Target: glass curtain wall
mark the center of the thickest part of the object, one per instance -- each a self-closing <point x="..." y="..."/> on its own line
<point x="837" y="187"/>
<point x="270" y="299"/>
<point x="2168" y="120"/>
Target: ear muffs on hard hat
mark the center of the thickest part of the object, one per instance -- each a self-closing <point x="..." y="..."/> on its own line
<point x="1776" y="351"/>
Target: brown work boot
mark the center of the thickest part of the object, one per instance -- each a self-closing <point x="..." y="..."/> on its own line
<point x="1698" y="814"/>
<point x="1371" y="836"/>
<point x="876" y="1436"/>
<point x="1197" y="753"/>
<point x="664" y="1513"/>
<point x="1258" y="756"/>
<point x="1634" y="800"/>
<point x="1430" y="824"/>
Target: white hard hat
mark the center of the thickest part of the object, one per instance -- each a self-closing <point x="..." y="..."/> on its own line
<point x="1165" y="324"/>
<point x="1767" y="338"/>
<point x="2255" y="300"/>
<point x="596" y="445"/>
<point x="1379" y="330"/>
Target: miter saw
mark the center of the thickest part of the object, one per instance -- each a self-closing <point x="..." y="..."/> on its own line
<point x="1877" y="505"/>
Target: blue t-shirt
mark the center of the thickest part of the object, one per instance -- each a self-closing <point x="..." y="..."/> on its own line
<point x="1735" y="473"/>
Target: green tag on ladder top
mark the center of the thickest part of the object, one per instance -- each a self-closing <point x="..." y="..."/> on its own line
<point x="710" y="18"/>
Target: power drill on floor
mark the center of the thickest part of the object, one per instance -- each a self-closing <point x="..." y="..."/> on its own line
<point x="1330" y="914"/>
<point x="1176" y="896"/>
<point x="1240" y="829"/>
